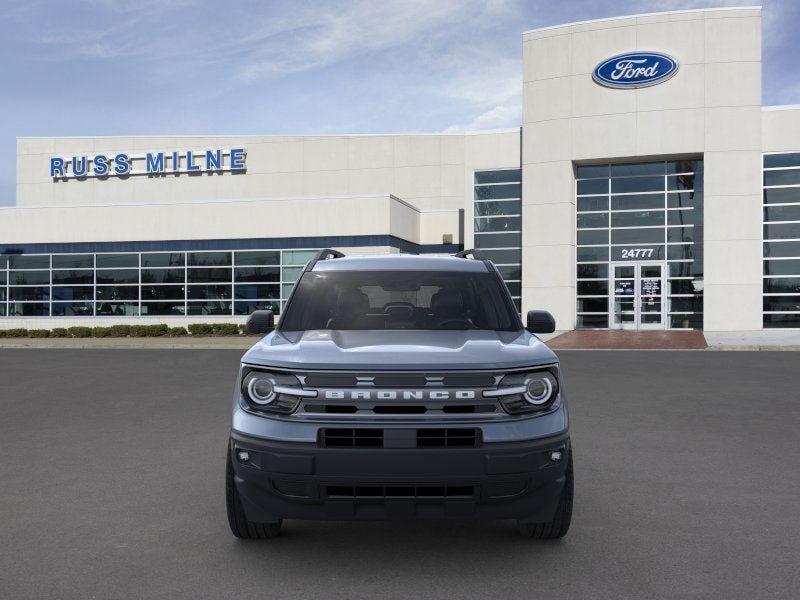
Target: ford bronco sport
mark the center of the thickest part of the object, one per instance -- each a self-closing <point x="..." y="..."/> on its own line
<point x="399" y="387"/>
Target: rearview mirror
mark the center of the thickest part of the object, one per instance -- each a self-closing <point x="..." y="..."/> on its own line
<point x="261" y="321"/>
<point x="540" y="321"/>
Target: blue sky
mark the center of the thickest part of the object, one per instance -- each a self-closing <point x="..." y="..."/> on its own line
<point x="151" y="67"/>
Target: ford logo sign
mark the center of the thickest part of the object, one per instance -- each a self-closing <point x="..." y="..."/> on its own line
<point x="635" y="70"/>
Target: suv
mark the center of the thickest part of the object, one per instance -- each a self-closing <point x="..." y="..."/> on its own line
<point x="396" y="387"/>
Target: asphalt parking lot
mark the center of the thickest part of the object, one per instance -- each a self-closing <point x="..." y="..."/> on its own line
<point x="111" y="486"/>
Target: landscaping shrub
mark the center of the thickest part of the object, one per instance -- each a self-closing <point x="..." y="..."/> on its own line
<point x="201" y="329"/>
<point x="157" y="330"/>
<point x="38" y="333"/>
<point x="16" y="332"/>
<point x="120" y="330"/>
<point x="59" y="332"/>
<point x="224" y="329"/>
<point x="80" y="332"/>
<point x="101" y="332"/>
<point x="177" y="331"/>
<point x="138" y="331"/>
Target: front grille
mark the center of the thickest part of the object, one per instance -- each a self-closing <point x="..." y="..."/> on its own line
<point x="421" y="438"/>
<point x="381" y="492"/>
<point x="399" y="409"/>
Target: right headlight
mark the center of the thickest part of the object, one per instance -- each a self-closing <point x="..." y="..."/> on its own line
<point x="265" y="391"/>
<point x="527" y="392"/>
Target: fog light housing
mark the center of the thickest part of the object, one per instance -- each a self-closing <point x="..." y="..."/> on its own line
<point x="243" y="456"/>
<point x="555" y="455"/>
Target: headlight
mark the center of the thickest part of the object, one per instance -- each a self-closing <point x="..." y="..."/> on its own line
<point x="527" y="392"/>
<point x="272" y="392"/>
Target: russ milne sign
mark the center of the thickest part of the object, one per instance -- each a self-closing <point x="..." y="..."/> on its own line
<point x="151" y="163"/>
<point x="635" y="70"/>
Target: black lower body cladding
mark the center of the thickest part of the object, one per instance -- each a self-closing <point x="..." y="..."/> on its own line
<point x="281" y="480"/>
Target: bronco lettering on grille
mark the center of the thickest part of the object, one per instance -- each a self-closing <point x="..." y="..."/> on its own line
<point x="399" y="395"/>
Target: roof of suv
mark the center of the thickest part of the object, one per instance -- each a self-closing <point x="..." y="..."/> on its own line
<point x="401" y="262"/>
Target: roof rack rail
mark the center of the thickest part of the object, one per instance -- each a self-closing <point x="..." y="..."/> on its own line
<point x="322" y="255"/>
<point x="474" y="252"/>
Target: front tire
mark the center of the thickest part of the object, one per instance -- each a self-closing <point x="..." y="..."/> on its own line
<point x="241" y="527"/>
<point x="558" y="527"/>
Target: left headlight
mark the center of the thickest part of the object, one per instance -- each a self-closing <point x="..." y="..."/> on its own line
<point x="272" y="392"/>
<point x="527" y="392"/>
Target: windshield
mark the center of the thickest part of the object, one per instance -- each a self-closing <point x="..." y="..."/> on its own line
<point x="391" y="300"/>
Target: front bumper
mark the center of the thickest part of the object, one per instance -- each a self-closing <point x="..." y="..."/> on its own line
<point x="515" y="480"/>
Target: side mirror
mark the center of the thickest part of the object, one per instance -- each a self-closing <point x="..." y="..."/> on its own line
<point x="261" y="321"/>
<point x="540" y="321"/>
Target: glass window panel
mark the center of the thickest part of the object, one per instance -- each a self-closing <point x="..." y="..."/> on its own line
<point x="286" y="289"/>
<point x="593" y="321"/>
<point x="81" y="292"/>
<point x="782" y="303"/>
<point x="684" y="166"/>
<point x="73" y="261"/>
<point x="589" y="254"/>
<point x="782" y="231"/>
<point x="3" y="307"/>
<point x="256" y="292"/>
<point x="637" y="236"/>
<point x="493" y="192"/>
<point x="693" y="304"/>
<point x="592" y="186"/>
<point x="789" y="159"/>
<point x="514" y="288"/>
<point x="29" y="261"/>
<point x="501" y="257"/>
<point x="209" y="308"/>
<point x="162" y="292"/>
<point x="115" y="261"/>
<point x="680" y="234"/>
<point x="592" y="236"/>
<point x="498" y="224"/>
<point x="682" y="182"/>
<point x="680" y="252"/>
<point x="246" y="308"/>
<point x="683" y="217"/>
<point x="163" y="276"/>
<point x="117" y="309"/>
<point x="686" y="321"/>
<point x="209" y="292"/>
<point x="597" y="305"/>
<point x="782" y="213"/>
<point x="209" y="275"/>
<point x="593" y="220"/>
<point x="162" y="309"/>
<point x="781" y="249"/>
<point x="498" y="176"/>
<point x="782" y="195"/>
<point x="587" y="171"/>
<point x="291" y="273"/>
<point x="788" y="320"/>
<point x="208" y="259"/>
<point x="29" y="293"/>
<point x="513" y="273"/>
<point x="593" y="288"/>
<point x="685" y="286"/>
<point x="117" y="276"/>
<point x="637" y="184"/>
<point x="684" y="199"/>
<point x="257" y="274"/>
<point x="2" y="294"/>
<point x="782" y="285"/>
<point x="29" y="277"/>
<point x="782" y="267"/>
<point x="637" y="219"/>
<point x="3" y="262"/>
<point x="497" y="240"/>
<point x="117" y="292"/>
<point x="595" y="203"/>
<point x="592" y="271"/>
<point x="499" y="207"/>
<point x="262" y="257"/>
<point x="73" y="277"/>
<point x="28" y="309"/>
<point x="73" y="309"/>
<point x="2" y="277"/>
<point x="164" y="259"/>
<point x="681" y="269"/>
<point x="298" y="257"/>
<point x="637" y="202"/>
<point x="788" y="177"/>
<point x="648" y="168"/>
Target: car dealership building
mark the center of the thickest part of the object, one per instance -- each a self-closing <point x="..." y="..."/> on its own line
<point x="646" y="188"/>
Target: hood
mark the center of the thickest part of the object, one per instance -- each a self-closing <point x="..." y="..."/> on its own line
<point x="400" y="350"/>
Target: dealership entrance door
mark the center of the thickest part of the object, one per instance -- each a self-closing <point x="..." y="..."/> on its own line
<point x="637" y="300"/>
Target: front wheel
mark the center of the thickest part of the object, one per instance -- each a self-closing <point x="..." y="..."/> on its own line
<point x="559" y="525"/>
<point x="241" y="527"/>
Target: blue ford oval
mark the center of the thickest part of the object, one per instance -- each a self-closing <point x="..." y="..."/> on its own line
<point x="635" y="70"/>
